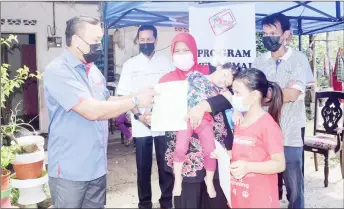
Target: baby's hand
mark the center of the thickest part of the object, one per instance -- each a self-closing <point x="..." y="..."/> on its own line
<point x="237" y="117"/>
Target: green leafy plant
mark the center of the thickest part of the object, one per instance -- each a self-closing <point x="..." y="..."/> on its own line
<point x="8" y="88"/>
<point x="14" y="196"/>
<point x="9" y="85"/>
<point x="8" y="154"/>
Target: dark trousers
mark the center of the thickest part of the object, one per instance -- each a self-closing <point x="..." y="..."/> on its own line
<point x="195" y="195"/>
<point x="280" y="175"/>
<point x="78" y="194"/>
<point x="144" y="161"/>
<point x="293" y="175"/>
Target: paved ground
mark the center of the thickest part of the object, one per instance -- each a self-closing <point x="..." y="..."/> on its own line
<point x="122" y="189"/>
<point x="122" y="192"/>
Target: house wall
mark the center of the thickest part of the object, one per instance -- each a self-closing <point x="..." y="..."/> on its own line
<point x="42" y="12"/>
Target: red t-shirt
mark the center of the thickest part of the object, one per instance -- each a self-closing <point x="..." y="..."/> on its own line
<point x="256" y="143"/>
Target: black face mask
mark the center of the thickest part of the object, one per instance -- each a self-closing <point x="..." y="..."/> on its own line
<point x="94" y="53"/>
<point x="147" y="49"/>
<point x="272" y="43"/>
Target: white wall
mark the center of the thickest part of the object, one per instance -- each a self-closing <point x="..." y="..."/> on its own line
<point x="165" y="36"/>
<point x="43" y="13"/>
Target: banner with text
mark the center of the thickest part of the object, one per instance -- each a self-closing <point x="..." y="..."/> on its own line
<point x="224" y="34"/>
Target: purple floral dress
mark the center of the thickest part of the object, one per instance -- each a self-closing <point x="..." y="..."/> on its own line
<point x="200" y="88"/>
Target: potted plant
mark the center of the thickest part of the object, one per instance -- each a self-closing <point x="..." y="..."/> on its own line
<point x="11" y="154"/>
<point x="28" y="161"/>
<point x="7" y="156"/>
<point x="10" y="123"/>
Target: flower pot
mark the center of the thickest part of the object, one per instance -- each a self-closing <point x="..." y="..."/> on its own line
<point x="6" y="198"/>
<point x="28" y="165"/>
<point x="6" y="202"/>
<point x="5" y="179"/>
<point x="31" y="191"/>
<point x="28" y="171"/>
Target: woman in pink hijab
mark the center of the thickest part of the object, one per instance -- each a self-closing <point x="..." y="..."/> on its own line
<point x="194" y="193"/>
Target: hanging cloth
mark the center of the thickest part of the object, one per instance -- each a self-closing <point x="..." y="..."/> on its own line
<point x="340" y="66"/>
<point x="338" y="73"/>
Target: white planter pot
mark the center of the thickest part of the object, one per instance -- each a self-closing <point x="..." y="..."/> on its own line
<point x="29" y="157"/>
<point x="30" y="191"/>
<point x="25" y="140"/>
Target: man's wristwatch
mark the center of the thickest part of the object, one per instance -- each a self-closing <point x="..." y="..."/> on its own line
<point x="137" y="116"/>
<point x="135" y="100"/>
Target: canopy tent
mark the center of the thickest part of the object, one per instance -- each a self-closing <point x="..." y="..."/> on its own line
<point x="307" y="17"/>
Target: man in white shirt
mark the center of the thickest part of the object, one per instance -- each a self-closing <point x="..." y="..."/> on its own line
<point x="138" y="72"/>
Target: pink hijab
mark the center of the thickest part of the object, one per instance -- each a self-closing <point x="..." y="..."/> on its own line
<point x="177" y="74"/>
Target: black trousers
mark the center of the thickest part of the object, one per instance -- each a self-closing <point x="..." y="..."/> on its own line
<point x="280" y="178"/>
<point x="144" y="161"/>
<point x="195" y="195"/>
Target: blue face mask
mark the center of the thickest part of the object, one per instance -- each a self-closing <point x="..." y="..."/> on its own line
<point x="238" y="104"/>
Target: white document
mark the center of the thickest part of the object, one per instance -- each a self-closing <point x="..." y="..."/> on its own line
<point x="170" y="106"/>
<point x="223" y="161"/>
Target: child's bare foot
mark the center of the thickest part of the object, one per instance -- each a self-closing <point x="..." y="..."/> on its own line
<point x="210" y="187"/>
<point x="177" y="188"/>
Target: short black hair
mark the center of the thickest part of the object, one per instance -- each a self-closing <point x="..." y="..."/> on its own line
<point x="277" y="18"/>
<point x="75" y="24"/>
<point x="147" y="27"/>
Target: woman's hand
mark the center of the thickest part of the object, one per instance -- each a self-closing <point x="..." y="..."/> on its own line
<point x="214" y="154"/>
<point x="229" y="152"/>
<point x="195" y="116"/>
<point x="239" y="169"/>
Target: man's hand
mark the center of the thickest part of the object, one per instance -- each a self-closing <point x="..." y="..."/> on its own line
<point x="291" y="83"/>
<point x="146" y="118"/>
<point x="146" y="97"/>
<point x="290" y="94"/>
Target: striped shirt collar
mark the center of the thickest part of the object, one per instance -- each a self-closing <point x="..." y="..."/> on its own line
<point x="285" y="57"/>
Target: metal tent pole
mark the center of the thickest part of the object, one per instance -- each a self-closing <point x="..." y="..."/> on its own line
<point x="106" y="45"/>
<point x="299" y="31"/>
